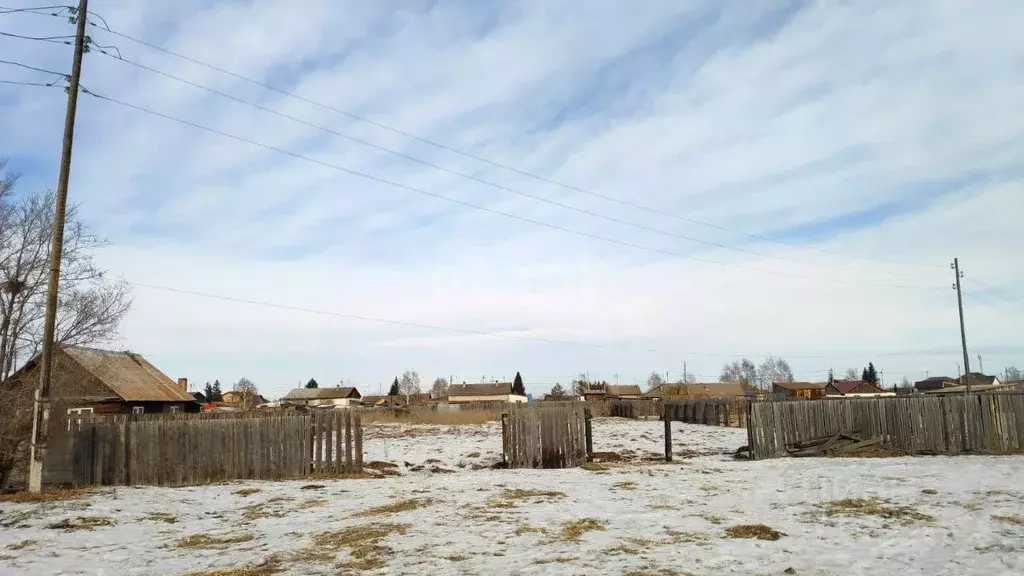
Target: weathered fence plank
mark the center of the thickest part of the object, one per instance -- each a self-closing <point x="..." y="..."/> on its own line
<point x="544" y="435"/>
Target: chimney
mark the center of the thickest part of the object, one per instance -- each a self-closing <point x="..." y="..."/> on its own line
<point x="183" y="384"/>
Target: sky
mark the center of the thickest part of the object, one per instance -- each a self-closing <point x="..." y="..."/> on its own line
<point x="471" y="189"/>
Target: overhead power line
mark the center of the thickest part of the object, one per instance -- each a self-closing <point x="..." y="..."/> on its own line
<point x="36" y="10"/>
<point x="989" y="290"/>
<point x="492" y="162"/>
<point x="484" y="208"/>
<point x="21" y="83"/>
<point x="56" y="39"/>
<point x="481" y="180"/>
<point x="27" y="67"/>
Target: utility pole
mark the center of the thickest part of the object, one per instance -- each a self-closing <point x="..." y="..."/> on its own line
<point x="41" y="406"/>
<point x="963" y="332"/>
<point x="684" y="371"/>
<point x="981" y="365"/>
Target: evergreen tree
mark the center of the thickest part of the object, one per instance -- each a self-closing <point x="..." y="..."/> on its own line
<point x="831" y="377"/>
<point x="312" y="384"/>
<point x="557" y="391"/>
<point x="864" y="375"/>
<point x="208" y="392"/>
<point x="871" y="375"/>
<point x="215" y="393"/>
<point x="394" y="388"/>
<point x="517" y="385"/>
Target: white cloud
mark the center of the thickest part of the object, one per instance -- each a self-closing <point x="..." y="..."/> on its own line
<point x="752" y="120"/>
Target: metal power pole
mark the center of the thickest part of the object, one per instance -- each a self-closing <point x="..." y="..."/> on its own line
<point x="41" y="407"/>
<point x="963" y="332"/>
<point x="981" y="365"/>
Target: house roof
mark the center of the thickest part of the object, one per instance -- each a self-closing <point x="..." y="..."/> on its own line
<point x="847" y="386"/>
<point x="624" y="390"/>
<point x="801" y="385"/>
<point x="595" y="392"/>
<point x="493" y="389"/>
<point x="934" y="383"/>
<point x="128" y="375"/>
<point x="713" y="389"/>
<point x="975" y="388"/>
<point x="322" y="393"/>
<point x="979" y="378"/>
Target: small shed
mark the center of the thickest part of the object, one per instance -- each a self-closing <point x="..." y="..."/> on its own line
<point x="805" y="390"/>
<point x="316" y="397"/>
<point x="624" y="391"/>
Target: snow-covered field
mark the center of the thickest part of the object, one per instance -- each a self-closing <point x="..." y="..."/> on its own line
<point x="927" y="515"/>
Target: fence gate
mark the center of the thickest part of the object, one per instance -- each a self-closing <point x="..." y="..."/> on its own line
<point x="544" y="435"/>
<point x="189" y="449"/>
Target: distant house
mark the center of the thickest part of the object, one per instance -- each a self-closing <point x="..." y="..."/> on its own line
<point x="854" y="388"/>
<point x="935" y="383"/>
<point x="979" y="379"/>
<point x="976" y="388"/>
<point x="200" y="397"/>
<point x="323" y="397"/>
<point x="494" y="392"/>
<point x="94" y="381"/>
<point x="594" y="395"/>
<point x="697" y="390"/>
<point x="624" y="392"/>
<point x="806" y="390"/>
<point x="235" y="399"/>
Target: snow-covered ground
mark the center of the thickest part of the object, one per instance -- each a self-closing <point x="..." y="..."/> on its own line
<point x="925" y="515"/>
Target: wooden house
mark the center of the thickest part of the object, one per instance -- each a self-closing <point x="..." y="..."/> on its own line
<point x="625" y="391"/>
<point x="474" y="393"/>
<point x="339" y="396"/>
<point x="805" y="390"/>
<point x="854" y="388"/>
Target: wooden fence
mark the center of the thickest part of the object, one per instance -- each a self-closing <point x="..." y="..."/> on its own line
<point x="545" y="435"/>
<point x="981" y="423"/>
<point x="188" y="449"/>
<point x="636" y="408"/>
<point x="710" y="411"/>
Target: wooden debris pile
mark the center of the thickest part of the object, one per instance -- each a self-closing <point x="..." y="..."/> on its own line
<point x="839" y="444"/>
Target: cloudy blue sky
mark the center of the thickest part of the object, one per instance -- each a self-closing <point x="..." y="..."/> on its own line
<point x="793" y="179"/>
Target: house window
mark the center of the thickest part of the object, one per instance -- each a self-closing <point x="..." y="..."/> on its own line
<point x="79" y="410"/>
<point x="171" y="408"/>
<point x="138" y="410"/>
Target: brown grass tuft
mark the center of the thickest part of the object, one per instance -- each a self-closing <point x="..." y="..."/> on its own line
<point x="556" y="560"/>
<point x="207" y="541"/>
<point x="395" y="507"/>
<point x="758" y="531"/>
<point x="1012" y="519"/>
<point x="159" y="517"/>
<point x="312" y="503"/>
<point x="594" y="467"/>
<point x="514" y="493"/>
<point x="852" y="507"/>
<point x="378" y="465"/>
<point x="82" y="523"/>
<point x="53" y="496"/>
<point x="573" y="530"/>
<point x="456" y="558"/>
<point x="525" y="529"/>
<point x="269" y="567"/>
<point x="929" y="491"/>
<point x="246" y="492"/>
<point x="258" y="511"/>
<point x="21" y="545"/>
<point x="628" y="485"/>
<point x="362" y="543"/>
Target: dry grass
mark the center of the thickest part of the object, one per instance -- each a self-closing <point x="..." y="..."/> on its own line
<point x="207" y="541"/>
<point x="53" y="496"/>
<point x="395" y="507"/>
<point x="456" y="558"/>
<point x="573" y="530"/>
<point x="628" y="485"/>
<point x="258" y="511"/>
<point x="1012" y="519"/>
<point x="267" y="568"/>
<point x="380" y="466"/>
<point x="594" y="467"/>
<point x="525" y="529"/>
<point x="22" y="545"/>
<point x="853" y="507"/>
<point x="516" y="493"/>
<point x="714" y="519"/>
<point x="343" y="476"/>
<point x="685" y="537"/>
<point x="83" y="523"/>
<point x="312" y="503"/>
<point x="362" y="543"/>
<point x="246" y="492"/>
<point x="556" y="560"/>
<point x="971" y="506"/>
<point x="159" y="517"/>
<point x="758" y="531"/>
<point x="930" y="491"/>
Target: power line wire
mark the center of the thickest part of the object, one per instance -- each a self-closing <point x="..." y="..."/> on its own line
<point x="481" y="180"/>
<point x="54" y="39"/>
<point x="21" y="83"/>
<point x="37" y="10"/>
<point x="492" y="162"/>
<point x="484" y="208"/>
<point x="990" y="290"/>
<point x="26" y="66"/>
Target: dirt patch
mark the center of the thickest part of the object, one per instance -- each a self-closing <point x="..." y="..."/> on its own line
<point x="854" y="507"/>
<point x="456" y="558"/>
<point x="573" y="530"/>
<point x="246" y="492"/>
<point x="594" y="467"/>
<point x="606" y="457"/>
<point x="261" y="510"/>
<point x="757" y="531"/>
<point x="312" y="503"/>
<point x="930" y="491"/>
<point x="82" y="523"/>
<point x="206" y="541"/>
<point x="53" y="496"/>
<point x="379" y="465"/>
<point x="395" y="507"/>
<point x="473" y="455"/>
<point x="628" y="485"/>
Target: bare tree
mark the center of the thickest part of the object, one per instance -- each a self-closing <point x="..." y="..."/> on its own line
<point x="582" y="383"/>
<point x="742" y="371"/>
<point x="654" y="380"/>
<point x="440" y="388"/>
<point x="409" y="385"/>
<point x="1011" y="373"/>
<point x="852" y="374"/>
<point x="689" y="378"/>
<point x="248" y="394"/>
<point x="90" y="306"/>
<point x="773" y="370"/>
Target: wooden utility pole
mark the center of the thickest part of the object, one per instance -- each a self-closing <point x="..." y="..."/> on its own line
<point x="41" y="406"/>
<point x="963" y="332"/>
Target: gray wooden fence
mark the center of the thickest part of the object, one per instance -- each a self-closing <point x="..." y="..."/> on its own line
<point x="636" y="408"/>
<point x="544" y="435"/>
<point x="981" y="423"/>
<point x="709" y="411"/>
<point x="188" y="449"/>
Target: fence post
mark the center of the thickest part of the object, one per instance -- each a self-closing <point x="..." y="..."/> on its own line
<point x="588" y="432"/>
<point x="668" y="439"/>
<point x="504" y="438"/>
